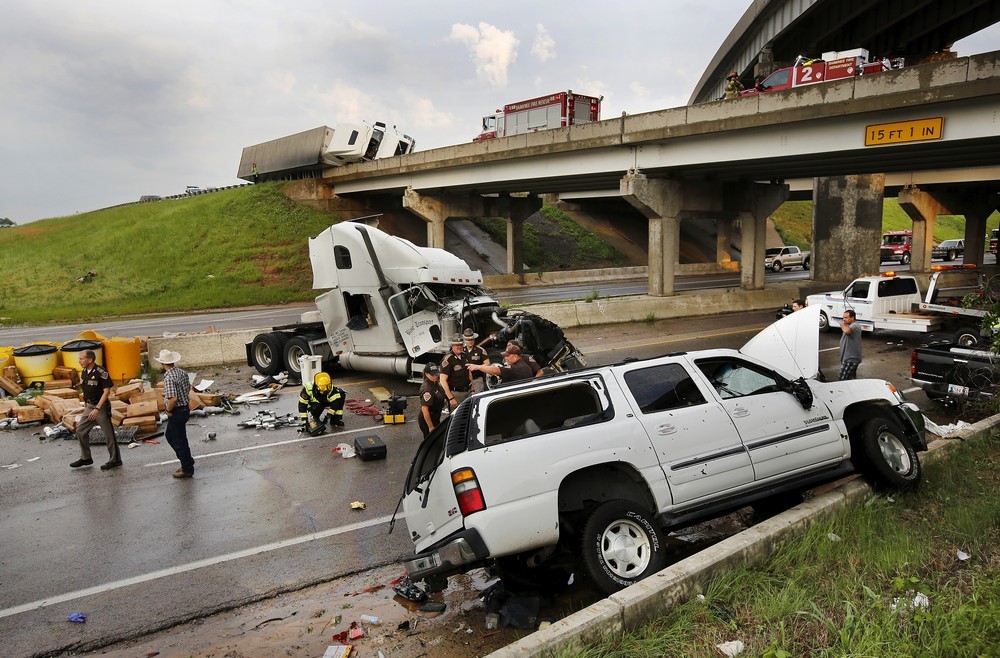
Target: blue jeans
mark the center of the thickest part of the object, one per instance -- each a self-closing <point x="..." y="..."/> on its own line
<point x="176" y="434"/>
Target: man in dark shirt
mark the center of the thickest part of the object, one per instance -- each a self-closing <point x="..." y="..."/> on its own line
<point x="514" y="368"/>
<point x="431" y="399"/>
<point x="96" y="384"/>
<point x="475" y="354"/>
<point x="454" y="376"/>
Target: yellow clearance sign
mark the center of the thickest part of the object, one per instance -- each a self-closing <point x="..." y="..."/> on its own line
<point x="918" y="130"/>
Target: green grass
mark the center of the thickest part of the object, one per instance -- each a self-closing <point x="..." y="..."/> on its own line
<point x="824" y="597"/>
<point x="793" y="221"/>
<point x="230" y="248"/>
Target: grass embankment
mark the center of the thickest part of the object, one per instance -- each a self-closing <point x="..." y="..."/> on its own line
<point x="793" y="221"/>
<point x="231" y="248"/>
<point x="555" y="242"/>
<point x="830" y="592"/>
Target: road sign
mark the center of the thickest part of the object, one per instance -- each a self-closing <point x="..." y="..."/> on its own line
<point x="918" y="130"/>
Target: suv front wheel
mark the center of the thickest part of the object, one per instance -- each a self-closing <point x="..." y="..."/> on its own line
<point x="621" y="545"/>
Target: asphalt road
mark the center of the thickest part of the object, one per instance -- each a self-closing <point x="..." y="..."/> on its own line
<point x="268" y="511"/>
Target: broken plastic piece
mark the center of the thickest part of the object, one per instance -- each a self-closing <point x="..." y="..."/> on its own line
<point x="730" y="649"/>
<point x="409" y="591"/>
<point x="357" y="505"/>
<point x="962" y="555"/>
<point x="77" y="617"/>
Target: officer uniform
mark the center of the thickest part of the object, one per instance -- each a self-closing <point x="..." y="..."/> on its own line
<point x="453" y="368"/>
<point x="93" y="382"/>
<point x="432" y="397"/>
<point x="478" y="356"/>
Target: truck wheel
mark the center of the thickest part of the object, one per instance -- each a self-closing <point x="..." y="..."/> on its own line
<point x="776" y="266"/>
<point x="887" y="459"/>
<point x="950" y="255"/>
<point x="824" y="321"/>
<point x="805" y="264"/>
<point x="967" y="337"/>
<point x="905" y="260"/>
<point x="621" y="545"/>
<point x="296" y="347"/>
<point x="267" y="351"/>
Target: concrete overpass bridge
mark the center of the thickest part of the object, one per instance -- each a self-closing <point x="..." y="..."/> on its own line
<point x="724" y="164"/>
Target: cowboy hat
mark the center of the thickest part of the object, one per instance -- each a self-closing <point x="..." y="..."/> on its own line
<point x="456" y="339"/>
<point x="167" y="357"/>
<point x="469" y="334"/>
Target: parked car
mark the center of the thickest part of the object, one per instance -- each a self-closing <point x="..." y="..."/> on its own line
<point x="948" y="249"/>
<point x="587" y="470"/>
<point x="778" y="258"/>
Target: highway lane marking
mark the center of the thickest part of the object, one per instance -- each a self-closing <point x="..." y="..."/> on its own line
<point x="264" y="445"/>
<point x="191" y="566"/>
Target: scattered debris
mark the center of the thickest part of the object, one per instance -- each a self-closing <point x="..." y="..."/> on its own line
<point x="919" y="600"/>
<point x="834" y="537"/>
<point x="269" y="420"/>
<point x="77" y="617"/>
<point x="88" y="277"/>
<point x="944" y="430"/>
<point x="338" y="651"/>
<point x="433" y="606"/>
<point x="961" y="555"/>
<point x="357" y="505"/>
<point x="409" y="590"/>
<point x="730" y="649"/>
<point x="345" y="449"/>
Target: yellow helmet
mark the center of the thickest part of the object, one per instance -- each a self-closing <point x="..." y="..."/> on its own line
<point x="322" y="381"/>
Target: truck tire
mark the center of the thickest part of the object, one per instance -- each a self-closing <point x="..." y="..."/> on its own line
<point x="824" y="321"/>
<point x="805" y="265"/>
<point x="267" y="352"/>
<point x="887" y="459"/>
<point x="776" y="266"/>
<point x="621" y="544"/>
<point x="967" y="337"/>
<point x="905" y="260"/>
<point x="295" y="347"/>
<point x="950" y="255"/>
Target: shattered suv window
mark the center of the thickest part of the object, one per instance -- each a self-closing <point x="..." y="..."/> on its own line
<point x="733" y="378"/>
<point x="663" y="387"/>
<point x="535" y="410"/>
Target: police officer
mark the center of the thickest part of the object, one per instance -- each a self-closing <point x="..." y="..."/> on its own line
<point x="514" y="369"/>
<point x="454" y="376"/>
<point x="319" y="395"/>
<point x="475" y="354"/>
<point x="432" y="398"/>
<point x="96" y="384"/>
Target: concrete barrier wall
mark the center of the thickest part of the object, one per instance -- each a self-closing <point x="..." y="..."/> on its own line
<point x="220" y="348"/>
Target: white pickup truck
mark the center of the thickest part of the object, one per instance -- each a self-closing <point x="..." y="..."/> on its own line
<point x="589" y="469"/>
<point x="893" y="303"/>
<point x="781" y="258"/>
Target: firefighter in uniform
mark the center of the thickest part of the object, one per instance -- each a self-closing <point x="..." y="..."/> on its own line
<point x="733" y="85"/>
<point x="475" y="354"/>
<point x="432" y="399"/>
<point x="321" y="394"/>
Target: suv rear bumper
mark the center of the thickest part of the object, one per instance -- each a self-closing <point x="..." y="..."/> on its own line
<point x="454" y="555"/>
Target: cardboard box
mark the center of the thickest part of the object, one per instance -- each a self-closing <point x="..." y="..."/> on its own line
<point x="11" y="386"/>
<point x="195" y="402"/>
<point x="128" y="390"/>
<point x="10" y="372"/>
<point x="146" y="408"/>
<point x="118" y="405"/>
<point x="70" y="420"/>
<point x="29" y="414"/>
<point x="64" y="393"/>
<point x="59" y="383"/>
<point x="209" y="399"/>
<point x="117" y="417"/>
<point x="144" y="423"/>
<point x="62" y="372"/>
<point x="150" y="396"/>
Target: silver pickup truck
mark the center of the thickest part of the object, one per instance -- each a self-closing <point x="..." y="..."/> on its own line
<point x="781" y="258"/>
<point x="589" y="469"/>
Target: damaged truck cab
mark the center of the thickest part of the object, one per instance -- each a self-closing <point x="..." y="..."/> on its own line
<point x="390" y="307"/>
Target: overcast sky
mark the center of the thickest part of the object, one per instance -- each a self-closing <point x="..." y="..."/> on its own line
<point x="102" y="101"/>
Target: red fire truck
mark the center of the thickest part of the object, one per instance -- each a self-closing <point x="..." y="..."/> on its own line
<point x="556" y="110"/>
<point x="834" y="65"/>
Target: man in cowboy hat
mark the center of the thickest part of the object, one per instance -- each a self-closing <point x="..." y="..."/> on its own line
<point x="96" y="384"/>
<point x="177" y="396"/>
<point x="475" y="354"/>
<point x="454" y="376"/>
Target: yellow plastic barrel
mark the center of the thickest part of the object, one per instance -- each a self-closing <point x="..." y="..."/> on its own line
<point x="90" y="334"/>
<point x="6" y="357"/>
<point x="69" y="353"/>
<point x="35" y="362"/>
<point x="122" y="358"/>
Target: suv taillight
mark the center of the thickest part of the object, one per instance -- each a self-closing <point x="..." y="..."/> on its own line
<point x="470" y="496"/>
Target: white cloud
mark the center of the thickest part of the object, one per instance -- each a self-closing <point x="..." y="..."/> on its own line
<point x="424" y="115"/>
<point x="493" y="50"/>
<point x="544" y="47"/>
<point x="639" y="90"/>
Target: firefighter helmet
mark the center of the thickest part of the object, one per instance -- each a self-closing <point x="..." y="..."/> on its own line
<point x="322" y="381"/>
<point x="732" y="75"/>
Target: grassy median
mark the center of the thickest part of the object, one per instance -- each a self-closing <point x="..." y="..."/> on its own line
<point x="902" y="575"/>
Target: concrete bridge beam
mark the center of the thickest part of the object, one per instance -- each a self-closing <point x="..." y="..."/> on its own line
<point x="756" y="203"/>
<point x="847" y="226"/>
<point x="923" y="207"/>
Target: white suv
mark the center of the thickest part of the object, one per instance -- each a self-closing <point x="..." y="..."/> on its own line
<point x="592" y="467"/>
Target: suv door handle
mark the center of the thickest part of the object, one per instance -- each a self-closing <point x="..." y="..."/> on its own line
<point x="665" y="428"/>
<point x="740" y="412"/>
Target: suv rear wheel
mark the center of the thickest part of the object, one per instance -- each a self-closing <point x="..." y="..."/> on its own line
<point x="621" y="545"/>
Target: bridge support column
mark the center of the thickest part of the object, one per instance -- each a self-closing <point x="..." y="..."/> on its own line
<point x="923" y="207"/>
<point x="847" y="226"/>
<point x="723" y="237"/>
<point x="516" y="209"/>
<point x="755" y="202"/>
<point x="659" y="201"/>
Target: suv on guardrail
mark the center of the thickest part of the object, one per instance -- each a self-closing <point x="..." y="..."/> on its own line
<point x="592" y="467"/>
